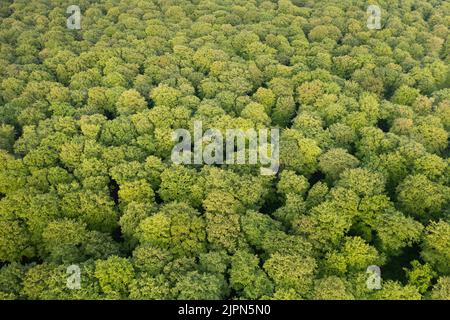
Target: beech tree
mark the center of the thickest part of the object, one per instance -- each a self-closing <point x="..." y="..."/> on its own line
<point x="87" y="121"/>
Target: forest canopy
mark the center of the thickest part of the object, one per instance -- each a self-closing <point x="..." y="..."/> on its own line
<point x="86" y="122"/>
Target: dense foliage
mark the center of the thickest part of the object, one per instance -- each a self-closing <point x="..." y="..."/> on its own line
<point x="86" y="122"/>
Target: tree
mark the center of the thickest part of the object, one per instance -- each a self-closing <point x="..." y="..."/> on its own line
<point x="279" y="242"/>
<point x="265" y="97"/>
<point x="405" y="95"/>
<point x="297" y="153"/>
<point x="256" y="226"/>
<point x="132" y="216"/>
<point x="256" y="112"/>
<point x="223" y="203"/>
<point x="283" y="111"/>
<point x="139" y="191"/>
<point x="14" y="240"/>
<point x="11" y="277"/>
<point x="6" y="137"/>
<point x="62" y="240"/>
<point x="165" y="96"/>
<point x="321" y="32"/>
<point x="325" y="226"/>
<point x="177" y="227"/>
<point x="355" y="255"/>
<point x="316" y="194"/>
<point x="441" y="290"/>
<point x="214" y="262"/>
<point x="97" y="210"/>
<point x="294" y="272"/>
<point x="393" y="290"/>
<point x="196" y="286"/>
<point x="223" y="232"/>
<point x="45" y="282"/>
<point x="335" y="161"/>
<point x="395" y="231"/>
<point x="431" y="166"/>
<point x="420" y="275"/>
<point x="247" y="278"/>
<point x="331" y="288"/>
<point x="150" y="260"/>
<point x="119" y="131"/>
<point x="433" y="137"/>
<point x="114" y="275"/>
<point x="362" y="181"/>
<point x="435" y="247"/>
<point x="180" y="184"/>
<point x="292" y="183"/>
<point x="130" y="102"/>
<point x="421" y="197"/>
<point x="150" y="288"/>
